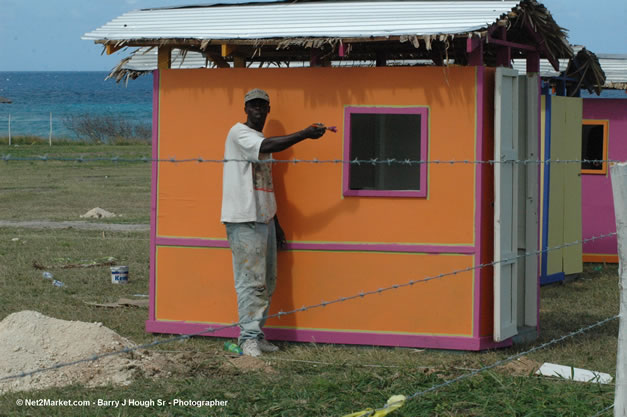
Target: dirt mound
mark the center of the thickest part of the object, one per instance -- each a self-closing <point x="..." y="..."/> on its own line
<point x="29" y="340"/>
<point x="97" y="213"/>
<point x="522" y="366"/>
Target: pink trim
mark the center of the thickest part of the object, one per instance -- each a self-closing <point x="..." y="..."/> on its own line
<point x="509" y="44"/>
<point x="374" y="193"/>
<point x="336" y="337"/>
<point x="341" y="50"/>
<point x="153" y="197"/>
<point x="474" y="51"/>
<point x="479" y="206"/>
<point x="472" y="43"/>
<point x="202" y="243"/>
<point x="384" y="339"/>
<point x="424" y="139"/>
<point x="182" y="327"/>
<point x="359" y="247"/>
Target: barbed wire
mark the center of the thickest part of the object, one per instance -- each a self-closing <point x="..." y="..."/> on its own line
<point x="605" y="410"/>
<point x="324" y="303"/>
<point x="499" y="363"/>
<point x="516" y="356"/>
<point x="375" y="161"/>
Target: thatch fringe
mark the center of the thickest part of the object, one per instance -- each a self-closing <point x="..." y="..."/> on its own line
<point x="308" y="43"/>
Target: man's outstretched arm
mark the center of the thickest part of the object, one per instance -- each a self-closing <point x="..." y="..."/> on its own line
<point x="281" y="143"/>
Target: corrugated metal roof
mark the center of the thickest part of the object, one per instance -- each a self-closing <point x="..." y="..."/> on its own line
<point x="546" y="69"/>
<point x="145" y="59"/>
<point x="310" y="19"/>
<point x="614" y="66"/>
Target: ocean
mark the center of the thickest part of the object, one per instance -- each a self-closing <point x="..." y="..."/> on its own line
<point x="37" y="95"/>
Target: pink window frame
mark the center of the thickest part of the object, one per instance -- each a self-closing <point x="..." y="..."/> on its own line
<point x="424" y="140"/>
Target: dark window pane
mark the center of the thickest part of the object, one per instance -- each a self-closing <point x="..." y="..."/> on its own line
<point x="382" y="137"/>
<point x="592" y="146"/>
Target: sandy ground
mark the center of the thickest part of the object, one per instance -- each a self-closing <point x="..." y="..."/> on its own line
<point x="30" y="341"/>
<point x="80" y="225"/>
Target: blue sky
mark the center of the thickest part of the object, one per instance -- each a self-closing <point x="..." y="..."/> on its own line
<point x="44" y="35"/>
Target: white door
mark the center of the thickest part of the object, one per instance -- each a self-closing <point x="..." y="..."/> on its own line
<point x="505" y="203"/>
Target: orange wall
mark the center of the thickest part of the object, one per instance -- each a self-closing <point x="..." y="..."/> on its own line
<point x="196" y="285"/>
<point x="196" y="110"/>
<point x="198" y="107"/>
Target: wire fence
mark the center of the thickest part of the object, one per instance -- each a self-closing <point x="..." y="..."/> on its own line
<point x="360" y="295"/>
<point x="605" y="410"/>
<point x="388" y="162"/>
<point x="9" y="158"/>
<point x="68" y="126"/>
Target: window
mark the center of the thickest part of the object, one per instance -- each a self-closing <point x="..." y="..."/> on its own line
<point x="594" y="146"/>
<point x="383" y="134"/>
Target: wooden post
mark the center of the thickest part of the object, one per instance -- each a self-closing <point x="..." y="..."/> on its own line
<point x="381" y="59"/>
<point x="9" y="129"/>
<point x="164" y="57"/>
<point x="618" y="174"/>
<point x="474" y="49"/>
<point x="50" y="134"/>
<point x="239" y="61"/>
<point x="533" y="62"/>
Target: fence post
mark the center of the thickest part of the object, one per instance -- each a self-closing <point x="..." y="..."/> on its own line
<point x="618" y="173"/>
<point x="9" y="129"/>
<point x="50" y="134"/>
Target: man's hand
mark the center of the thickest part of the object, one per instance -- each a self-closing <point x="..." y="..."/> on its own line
<point x="281" y="243"/>
<point x="281" y="143"/>
<point x="314" y="131"/>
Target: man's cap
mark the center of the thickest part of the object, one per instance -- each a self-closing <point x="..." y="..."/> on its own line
<point x="256" y="93"/>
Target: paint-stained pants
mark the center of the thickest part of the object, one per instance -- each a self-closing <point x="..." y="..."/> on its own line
<point x="255" y="269"/>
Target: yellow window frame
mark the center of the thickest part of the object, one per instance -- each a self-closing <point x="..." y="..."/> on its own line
<point x="606" y="130"/>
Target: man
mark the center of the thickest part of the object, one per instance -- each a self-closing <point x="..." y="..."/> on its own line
<point x="249" y="214"/>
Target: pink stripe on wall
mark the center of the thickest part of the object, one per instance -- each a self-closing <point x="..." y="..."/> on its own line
<point x="338" y="337"/>
<point x="153" y="193"/>
<point x="329" y="246"/>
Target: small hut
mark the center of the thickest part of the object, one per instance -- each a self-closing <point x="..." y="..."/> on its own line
<point x="595" y="134"/>
<point x="441" y="72"/>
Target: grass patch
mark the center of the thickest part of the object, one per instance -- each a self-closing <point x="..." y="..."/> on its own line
<point x="30" y="140"/>
<point x="59" y="190"/>
<point x="307" y="379"/>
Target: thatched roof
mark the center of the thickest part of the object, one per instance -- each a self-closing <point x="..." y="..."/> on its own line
<point x="586" y="70"/>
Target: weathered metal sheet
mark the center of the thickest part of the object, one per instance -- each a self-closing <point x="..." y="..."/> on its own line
<point x="614" y="66"/>
<point x="309" y="19"/>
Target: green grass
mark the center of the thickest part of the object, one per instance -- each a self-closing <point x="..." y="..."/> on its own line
<point x="57" y="190"/>
<point x="308" y="379"/>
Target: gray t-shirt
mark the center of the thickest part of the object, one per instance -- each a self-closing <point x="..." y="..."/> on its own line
<point x="247" y="190"/>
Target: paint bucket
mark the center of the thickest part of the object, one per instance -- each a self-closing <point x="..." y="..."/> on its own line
<point x="119" y="274"/>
